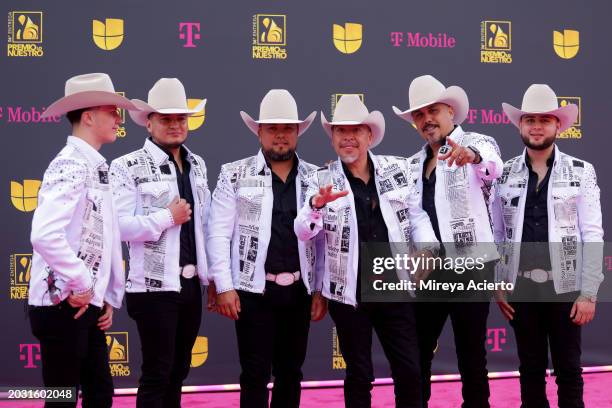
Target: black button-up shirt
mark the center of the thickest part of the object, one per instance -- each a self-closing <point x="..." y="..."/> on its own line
<point x="370" y="222"/>
<point x="283" y="254"/>
<point x="187" y="241"/>
<point x="535" y="223"/>
<point x="429" y="193"/>
<point x="371" y="226"/>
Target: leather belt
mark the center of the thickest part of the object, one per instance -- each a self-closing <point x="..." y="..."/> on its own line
<point x="188" y="271"/>
<point x="283" y="278"/>
<point x="537" y="275"/>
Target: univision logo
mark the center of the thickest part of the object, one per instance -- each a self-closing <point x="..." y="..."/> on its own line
<point x="199" y="352"/>
<point x="25" y="196"/>
<point x="108" y="35"/>
<point x="567" y="43"/>
<point x="197" y="119"/>
<point x="347" y="38"/>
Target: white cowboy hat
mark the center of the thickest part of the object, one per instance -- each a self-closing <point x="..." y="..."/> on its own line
<point x="166" y="97"/>
<point x="278" y="106"/>
<point x="427" y="90"/>
<point x="541" y="99"/>
<point x="86" y="91"/>
<point x="351" y="111"/>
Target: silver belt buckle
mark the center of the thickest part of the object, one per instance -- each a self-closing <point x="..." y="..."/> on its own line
<point x="285" y="279"/>
<point x="188" y="271"/>
<point x="539" y="275"/>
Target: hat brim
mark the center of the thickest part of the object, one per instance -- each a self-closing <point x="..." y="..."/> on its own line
<point x="566" y="114"/>
<point x="454" y="96"/>
<point x="375" y="120"/>
<point x="144" y="110"/>
<point x="253" y="124"/>
<point x="87" y="99"/>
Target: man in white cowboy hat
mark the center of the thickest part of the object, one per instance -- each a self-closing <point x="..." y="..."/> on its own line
<point x="454" y="172"/>
<point x="546" y="196"/>
<point x="77" y="272"/>
<point x="162" y="200"/>
<point x="266" y="280"/>
<point x="365" y="198"/>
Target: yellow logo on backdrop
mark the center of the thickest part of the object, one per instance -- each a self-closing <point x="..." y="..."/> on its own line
<point x="27" y="30"/>
<point x="199" y="352"/>
<point x="567" y="43"/>
<point x="21" y="264"/>
<point x="121" y="132"/>
<point x="574" y="131"/>
<point x="108" y="35"/>
<point x="271" y="29"/>
<point x="348" y="38"/>
<point x="118" y="353"/>
<point x="338" y="362"/>
<point x="25" y="196"/>
<point x="196" y="120"/>
<point x="25" y="33"/>
<point x="336" y="97"/>
<point x="495" y="41"/>
<point x="269" y="36"/>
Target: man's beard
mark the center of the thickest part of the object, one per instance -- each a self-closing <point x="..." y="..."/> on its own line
<point x="279" y="157"/>
<point x="543" y="145"/>
<point x="349" y="158"/>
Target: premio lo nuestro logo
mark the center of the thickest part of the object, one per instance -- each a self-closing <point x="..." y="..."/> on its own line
<point x="269" y="36"/>
<point x="25" y="34"/>
<point x="118" y="353"/>
<point x="496" y="42"/>
<point x="574" y="131"/>
<point x="336" y="97"/>
<point x="20" y="267"/>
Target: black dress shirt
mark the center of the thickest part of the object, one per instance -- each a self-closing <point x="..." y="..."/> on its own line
<point x="187" y="241"/>
<point x="371" y="226"/>
<point x="429" y="193"/>
<point x="535" y="222"/>
<point x="283" y="254"/>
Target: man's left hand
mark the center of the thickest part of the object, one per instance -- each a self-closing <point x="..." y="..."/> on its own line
<point x="106" y="320"/>
<point x="211" y="298"/>
<point x="318" y="308"/>
<point x="583" y="311"/>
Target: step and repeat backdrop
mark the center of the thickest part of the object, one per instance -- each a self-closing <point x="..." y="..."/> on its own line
<point x="232" y="53"/>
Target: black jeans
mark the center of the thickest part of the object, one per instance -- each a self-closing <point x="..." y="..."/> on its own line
<point x="468" y="311"/>
<point x="395" y="325"/>
<point x="272" y="331"/>
<point x="538" y="325"/>
<point x="469" y="320"/>
<point x="73" y="353"/>
<point x="168" y="324"/>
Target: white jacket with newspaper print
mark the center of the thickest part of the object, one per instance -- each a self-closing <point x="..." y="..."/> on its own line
<point x="241" y="225"/>
<point x="144" y="183"/>
<point x="574" y="219"/>
<point x="337" y="222"/>
<point x="462" y="197"/>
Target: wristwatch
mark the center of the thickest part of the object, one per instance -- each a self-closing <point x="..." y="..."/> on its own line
<point x="589" y="298"/>
<point x="312" y="206"/>
<point x="477" y="152"/>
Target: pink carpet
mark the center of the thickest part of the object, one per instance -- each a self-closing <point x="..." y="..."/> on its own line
<point x="504" y="394"/>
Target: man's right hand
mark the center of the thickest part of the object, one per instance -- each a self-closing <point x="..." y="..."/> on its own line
<point x="502" y="303"/>
<point x="228" y="304"/>
<point x="326" y="195"/>
<point x="180" y="210"/>
<point x="81" y="301"/>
